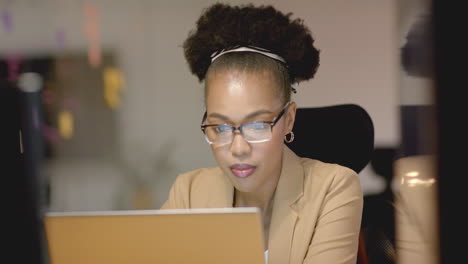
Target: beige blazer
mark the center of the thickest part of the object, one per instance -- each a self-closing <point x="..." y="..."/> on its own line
<point x="316" y="212"/>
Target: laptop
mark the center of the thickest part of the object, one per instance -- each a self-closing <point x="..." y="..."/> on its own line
<point x="215" y="235"/>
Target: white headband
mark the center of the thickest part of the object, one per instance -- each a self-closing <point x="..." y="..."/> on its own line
<point x="264" y="52"/>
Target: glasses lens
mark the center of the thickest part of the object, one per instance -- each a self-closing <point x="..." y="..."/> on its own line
<point x="255" y="132"/>
<point x="218" y="134"/>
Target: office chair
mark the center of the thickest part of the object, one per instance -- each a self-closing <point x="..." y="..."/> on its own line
<point x="342" y="134"/>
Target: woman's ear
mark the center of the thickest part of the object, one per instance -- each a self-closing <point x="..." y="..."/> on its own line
<point x="290" y="116"/>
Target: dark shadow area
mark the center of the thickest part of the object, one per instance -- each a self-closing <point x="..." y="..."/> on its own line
<point x="378" y="224"/>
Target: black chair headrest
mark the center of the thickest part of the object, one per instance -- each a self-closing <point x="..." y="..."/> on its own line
<point x="342" y="134"/>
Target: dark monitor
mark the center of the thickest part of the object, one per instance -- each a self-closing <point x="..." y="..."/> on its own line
<point x="23" y="191"/>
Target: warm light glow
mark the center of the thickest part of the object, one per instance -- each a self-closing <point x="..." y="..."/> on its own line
<point x="113" y="84"/>
<point x="419" y="182"/>
<point x="91" y="29"/>
<point x="412" y="174"/>
<point x="65" y="124"/>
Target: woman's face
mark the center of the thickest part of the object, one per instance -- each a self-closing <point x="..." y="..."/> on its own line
<point x="236" y="97"/>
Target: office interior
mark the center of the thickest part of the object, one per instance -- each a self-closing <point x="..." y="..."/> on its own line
<point x="119" y="111"/>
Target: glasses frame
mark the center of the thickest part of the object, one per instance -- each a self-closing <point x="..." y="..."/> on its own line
<point x="233" y="128"/>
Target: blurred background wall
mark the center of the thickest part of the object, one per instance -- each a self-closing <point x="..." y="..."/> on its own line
<point x="154" y="125"/>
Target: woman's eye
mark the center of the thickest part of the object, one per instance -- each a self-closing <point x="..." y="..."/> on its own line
<point x="257" y="126"/>
<point x="223" y="128"/>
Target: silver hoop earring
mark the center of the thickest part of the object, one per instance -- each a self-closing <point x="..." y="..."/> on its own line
<point x="291" y="137"/>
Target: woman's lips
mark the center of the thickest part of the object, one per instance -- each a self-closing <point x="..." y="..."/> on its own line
<point x="242" y="170"/>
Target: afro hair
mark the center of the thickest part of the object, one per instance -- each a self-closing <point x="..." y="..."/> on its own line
<point x="222" y="27"/>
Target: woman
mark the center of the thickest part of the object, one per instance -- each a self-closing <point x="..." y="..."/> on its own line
<point x="248" y="58"/>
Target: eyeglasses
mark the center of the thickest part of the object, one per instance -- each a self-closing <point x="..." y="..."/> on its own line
<point x="252" y="132"/>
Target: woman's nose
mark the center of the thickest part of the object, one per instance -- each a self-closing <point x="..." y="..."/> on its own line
<point x="239" y="146"/>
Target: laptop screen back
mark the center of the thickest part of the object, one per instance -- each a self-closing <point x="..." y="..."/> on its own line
<point x="228" y="235"/>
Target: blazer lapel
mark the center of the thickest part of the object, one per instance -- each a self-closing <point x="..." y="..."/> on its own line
<point x="284" y="218"/>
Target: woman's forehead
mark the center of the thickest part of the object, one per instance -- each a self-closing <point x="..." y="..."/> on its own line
<point x="234" y="86"/>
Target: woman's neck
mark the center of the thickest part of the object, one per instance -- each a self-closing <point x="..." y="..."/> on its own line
<point x="263" y="202"/>
<point x="261" y="198"/>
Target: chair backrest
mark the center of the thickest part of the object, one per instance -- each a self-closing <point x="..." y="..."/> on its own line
<point x="342" y="134"/>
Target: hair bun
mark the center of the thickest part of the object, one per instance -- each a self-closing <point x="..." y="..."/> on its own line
<point x="222" y="26"/>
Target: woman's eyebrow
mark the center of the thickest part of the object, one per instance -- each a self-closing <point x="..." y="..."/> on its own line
<point x="249" y="116"/>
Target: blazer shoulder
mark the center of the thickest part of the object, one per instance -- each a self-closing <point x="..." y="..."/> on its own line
<point x="318" y="173"/>
<point x="325" y="169"/>
<point x="189" y="185"/>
